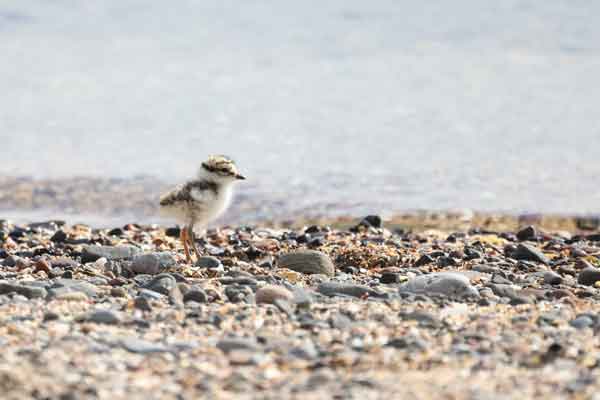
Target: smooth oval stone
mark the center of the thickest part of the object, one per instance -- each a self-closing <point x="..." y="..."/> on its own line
<point x="442" y="283"/>
<point x="195" y="294"/>
<point x="30" y="292"/>
<point x="530" y="253"/>
<point x="103" y="317"/>
<point x="346" y="289"/>
<point x="162" y="283"/>
<point x="92" y="253"/>
<point x="589" y="276"/>
<point x="552" y="278"/>
<point x="269" y="293"/>
<point x="208" y="262"/>
<point x="307" y="262"/>
<point x="152" y="263"/>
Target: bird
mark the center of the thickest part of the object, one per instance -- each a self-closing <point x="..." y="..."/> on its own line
<point x="201" y="199"/>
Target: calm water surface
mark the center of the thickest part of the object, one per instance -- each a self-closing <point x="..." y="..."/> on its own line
<point x="343" y="104"/>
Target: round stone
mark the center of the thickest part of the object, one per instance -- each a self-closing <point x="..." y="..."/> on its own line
<point x="268" y="294"/>
<point x="308" y="262"/>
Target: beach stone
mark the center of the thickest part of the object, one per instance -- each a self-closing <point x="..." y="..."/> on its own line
<point x="104" y="317"/>
<point x="424" y="260"/>
<point x="442" y="283"/>
<point x="59" y="237"/>
<point x="30" y="292"/>
<point x="139" y="346"/>
<point x="195" y="294"/>
<point x="588" y="276"/>
<point x="162" y="283"/>
<point x="307" y="262"/>
<point x="208" y="262"/>
<point x="581" y="322"/>
<point x="71" y="296"/>
<point x="92" y="253"/>
<point x="269" y="293"/>
<point x="552" y="278"/>
<point x="527" y="233"/>
<point x="237" y="294"/>
<point x="142" y="303"/>
<point x="530" y="253"/>
<point x="62" y="286"/>
<point x="152" y="263"/>
<point x="390" y="277"/>
<point x="227" y="345"/>
<point x="346" y="289"/>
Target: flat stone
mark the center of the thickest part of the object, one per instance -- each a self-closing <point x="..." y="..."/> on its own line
<point x="152" y="263"/>
<point x="552" y="278"/>
<point x="195" y="294"/>
<point x="346" y="289"/>
<point x="62" y="285"/>
<point x="30" y="292"/>
<point x="103" y="317"/>
<point x="307" y="262"/>
<point x="530" y="253"/>
<point x="92" y="253"/>
<point x="581" y="322"/>
<point x="140" y="346"/>
<point x="208" y="262"/>
<point x="588" y="276"/>
<point x="269" y="293"/>
<point x="227" y="345"/>
<point x="162" y="283"/>
<point x="442" y="283"/>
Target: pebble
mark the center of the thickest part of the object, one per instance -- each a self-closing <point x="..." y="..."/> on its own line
<point x="162" y="283"/>
<point x="103" y="317"/>
<point x="195" y="294"/>
<point x="152" y="263"/>
<point x="140" y="346"/>
<point x="527" y="233"/>
<point x="208" y="262"/>
<point x="442" y="283"/>
<point x="552" y="278"/>
<point x="269" y="293"/>
<point x="307" y="262"/>
<point x="582" y="322"/>
<point x="30" y="292"/>
<point x="588" y="276"/>
<point x="92" y="253"/>
<point x="227" y="345"/>
<point x="347" y="289"/>
<point x="530" y="253"/>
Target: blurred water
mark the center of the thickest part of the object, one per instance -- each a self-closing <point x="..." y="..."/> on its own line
<point x="349" y="104"/>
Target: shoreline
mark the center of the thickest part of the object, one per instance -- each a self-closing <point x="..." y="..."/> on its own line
<point x="308" y="312"/>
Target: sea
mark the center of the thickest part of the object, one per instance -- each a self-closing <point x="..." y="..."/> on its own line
<point x="344" y="106"/>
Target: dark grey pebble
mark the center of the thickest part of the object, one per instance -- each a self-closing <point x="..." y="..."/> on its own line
<point x="30" y="292"/>
<point x="59" y="237"/>
<point x="307" y="262"/>
<point x="92" y="253"/>
<point x="530" y="253"/>
<point x="70" y="285"/>
<point x="238" y="281"/>
<point x="227" y="345"/>
<point x="142" y="303"/>
<point x="588" y="276"/>
<point x="238" y="294"/>
<point x="152" y="263"/>
<point x="208" y="262"/>
<point x="527" y="233"/>
<point x="582" y="321"/>
<point x="390" y="277"/>
<point x="162" y="283"/>
<point x="104" y="317"/>
<point x="552" y="278"/>
<point x="347" y="289"/>
<point x="195" y="294"/>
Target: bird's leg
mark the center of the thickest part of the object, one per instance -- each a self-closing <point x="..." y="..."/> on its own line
<point x="184" y="238"/>
<point x="192" y="238"/>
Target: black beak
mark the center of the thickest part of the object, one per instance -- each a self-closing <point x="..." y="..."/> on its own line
<point x="240" y="177"/>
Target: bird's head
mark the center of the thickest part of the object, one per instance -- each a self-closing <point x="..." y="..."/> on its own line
<point x="220" y="169"/>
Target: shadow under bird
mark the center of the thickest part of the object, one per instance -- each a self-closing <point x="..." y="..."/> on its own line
<point x="202" y="199"/>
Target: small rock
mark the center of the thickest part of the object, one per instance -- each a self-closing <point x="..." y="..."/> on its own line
<point x="269" y="293"/>
<point x="530" y="253"/>
<point x="142" y="303"/>
<point x="552" y="278"/>
<point x="307" y="262"/>
<point x="162" y="283"/>
<point x="104" y="317"/>
<point x="230" y="344"/>
<point x="582" y="321"/>
<point x="92" y="253"/>
<point x="59" y="237"/>
<point x="195" y="294"/>
<point x="527" y="233"/>
<point x="208" y="262"/>
<point x="62" y="285"/>
<point x="140" y="346"/>
<point x="118" y="292"/>
<point x="390" y="277"/>
<point x="588" y="276"/>
<point x="346" y="289"/>
<point x="442" y="283"/>
<point x="31" y="292"/>
<point x="152" y="263"/>
<point x="424" y="260"/>
<point x="173" y="232"/>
